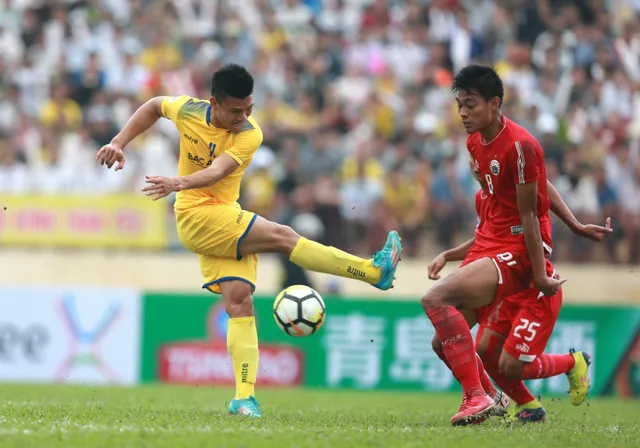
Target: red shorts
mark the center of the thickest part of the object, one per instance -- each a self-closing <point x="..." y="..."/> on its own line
<point x="525" y="320"/>
<point x="515" y="273"/>
<point x="519" y="311"/>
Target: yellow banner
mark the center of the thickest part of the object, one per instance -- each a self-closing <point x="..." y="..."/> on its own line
<point x="122" y="221"/>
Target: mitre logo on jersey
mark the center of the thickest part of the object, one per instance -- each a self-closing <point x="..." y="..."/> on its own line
<point x="189" y="138"/>
<point x="494" y="166"/>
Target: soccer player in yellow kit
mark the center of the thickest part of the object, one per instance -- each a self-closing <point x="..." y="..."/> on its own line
<point x="218" y="139"/>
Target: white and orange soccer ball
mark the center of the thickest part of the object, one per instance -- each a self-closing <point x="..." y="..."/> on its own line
<point x="299" y="311"/>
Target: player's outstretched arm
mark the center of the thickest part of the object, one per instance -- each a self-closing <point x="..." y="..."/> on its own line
<point x="140" y="121"/>
<point x="160" y="186"/>
<point x="562" y="211"/>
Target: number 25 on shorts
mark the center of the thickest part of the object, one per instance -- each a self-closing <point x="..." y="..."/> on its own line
<point x="528" y="327"/>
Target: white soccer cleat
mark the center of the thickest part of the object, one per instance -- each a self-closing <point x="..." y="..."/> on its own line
<point x="502" y="404"/>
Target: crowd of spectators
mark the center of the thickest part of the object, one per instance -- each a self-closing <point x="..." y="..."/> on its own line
<point x="361" y="131"/>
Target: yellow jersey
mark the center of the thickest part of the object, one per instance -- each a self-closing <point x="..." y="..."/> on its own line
<point x="201" y="142"/>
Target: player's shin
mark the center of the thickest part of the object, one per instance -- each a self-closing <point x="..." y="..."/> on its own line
<point x="317" y="257"/>
<point x="437" y="349"/>
<point x="487" y="385"/>
<point x="514" y="388"/>
<point x="490" y="344"/>
<point x="242" y="343"/>
<point x="458" y="347"/>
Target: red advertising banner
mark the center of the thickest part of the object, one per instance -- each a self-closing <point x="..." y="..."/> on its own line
<point x="207" y="362"/>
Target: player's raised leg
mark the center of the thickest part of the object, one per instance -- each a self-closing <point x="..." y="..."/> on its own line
<point x="489" y="344"/>
<point x="242" y="343"/>
<point x="265" y="236"/>
<point x="470" y="287"/>
<point x="574" y="364"/>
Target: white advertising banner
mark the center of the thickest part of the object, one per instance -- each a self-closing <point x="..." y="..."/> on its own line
<point x="69" y="335"/>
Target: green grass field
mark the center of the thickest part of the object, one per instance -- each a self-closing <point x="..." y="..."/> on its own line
<point x="63" y="416"/>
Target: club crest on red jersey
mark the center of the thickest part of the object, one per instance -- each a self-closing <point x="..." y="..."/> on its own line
<point x="494" y="166"/>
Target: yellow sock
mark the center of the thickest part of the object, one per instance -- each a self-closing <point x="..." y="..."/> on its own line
<point x="319" y="258"/>
<point x="242" y="343"/>
<point x="535" y="404"/>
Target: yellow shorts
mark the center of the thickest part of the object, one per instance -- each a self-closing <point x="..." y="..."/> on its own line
<point x="214" y="232"/>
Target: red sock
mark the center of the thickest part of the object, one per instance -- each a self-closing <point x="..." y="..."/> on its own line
<point x="487" y="385"/>
<point x="515" y="389"/>
<point x="546" y="366"/>
<point x="443" y="358"/>
<point x="458" y="346"/>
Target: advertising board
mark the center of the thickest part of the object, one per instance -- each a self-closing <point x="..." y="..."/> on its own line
<point x="70" y="335"/>
<point x="83" y="221"/>
<point x="366" y="344"/>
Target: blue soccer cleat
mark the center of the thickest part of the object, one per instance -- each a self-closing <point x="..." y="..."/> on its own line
<point x="387" y="260"/>
<point x="248" y="407"/>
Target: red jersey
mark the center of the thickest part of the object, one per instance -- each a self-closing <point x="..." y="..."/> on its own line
<point x="513" y="157"/>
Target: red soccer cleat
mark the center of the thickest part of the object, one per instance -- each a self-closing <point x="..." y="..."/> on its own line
<point x="473" y="409"/>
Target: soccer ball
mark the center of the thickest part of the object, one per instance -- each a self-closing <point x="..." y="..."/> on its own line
<point x="299" y="311"/>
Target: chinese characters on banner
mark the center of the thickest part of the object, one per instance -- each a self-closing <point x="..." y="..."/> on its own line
<point x="368" y="352"/>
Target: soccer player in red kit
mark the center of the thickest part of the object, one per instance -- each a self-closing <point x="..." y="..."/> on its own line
<point x="496" y="320"/>
<point x="468" y="252"/>
<point x="514" y="242"/>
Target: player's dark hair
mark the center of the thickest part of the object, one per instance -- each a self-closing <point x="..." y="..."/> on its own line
<point x="232" y="80"/>
<point x="480" y="78"/>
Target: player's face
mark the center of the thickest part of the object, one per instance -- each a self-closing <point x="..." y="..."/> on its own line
<point x="231" y="113"/>
<point x="476" y="113"/>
